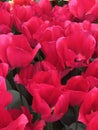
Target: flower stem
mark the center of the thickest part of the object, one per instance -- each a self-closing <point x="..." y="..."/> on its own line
<point x="77" y="112"/>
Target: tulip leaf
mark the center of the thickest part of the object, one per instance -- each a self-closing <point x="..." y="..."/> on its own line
<point x="22" y="90"/>
<point x="9" y="87"/>
<point x="16" y="102"/>
<point x="69" y="117"/>
<point x="77" y="126"/>
<point x="66" y="128"/>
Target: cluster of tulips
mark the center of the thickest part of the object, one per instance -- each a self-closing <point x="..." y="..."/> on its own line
<point x="49" y="55"/>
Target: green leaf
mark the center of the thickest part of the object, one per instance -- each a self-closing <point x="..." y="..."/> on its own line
<point x="69" y="117"/>
<point x="57" y="125"/>
<point x="66" y="128"/>
<point x="16" y="102"/>
<point x="77" y="126"/>
<point x="23" y="91"/>
<point x="9" y="87"/>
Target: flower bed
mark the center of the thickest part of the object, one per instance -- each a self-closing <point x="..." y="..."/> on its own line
<point x="48" y="65"/>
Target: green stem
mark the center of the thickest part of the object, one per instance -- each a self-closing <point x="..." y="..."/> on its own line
<point x="77" y="113"/>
